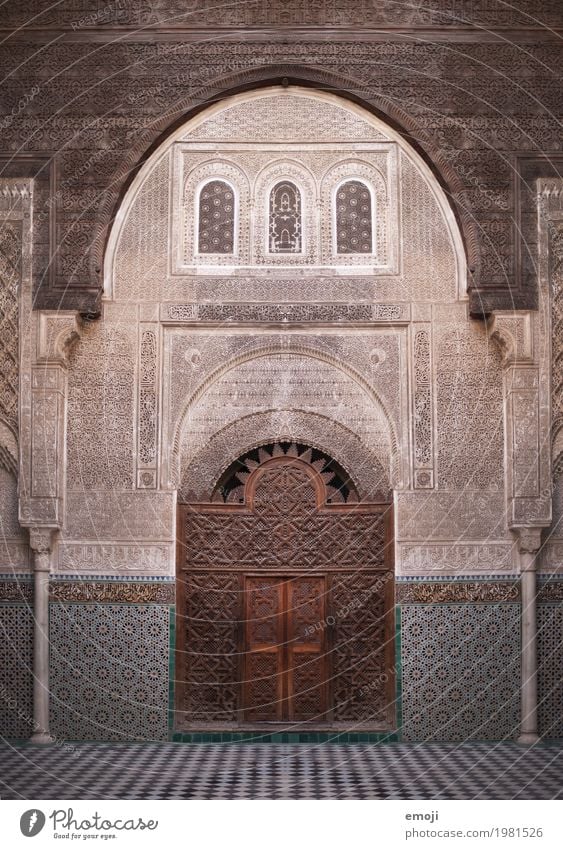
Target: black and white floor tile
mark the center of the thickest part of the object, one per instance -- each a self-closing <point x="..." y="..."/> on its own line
<point x="271" y="771"/>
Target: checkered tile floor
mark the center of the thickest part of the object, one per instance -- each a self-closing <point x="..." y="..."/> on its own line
<point x="269" y="771"/>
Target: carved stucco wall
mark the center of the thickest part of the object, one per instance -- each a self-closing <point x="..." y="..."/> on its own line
<point x="186" y="371"/>
<point x="100" y="410"/>
<point x="469" y="108"/>
<point x="190" y="367"/>
<point x="15" y="201"/>
<point x="319" y="136"/>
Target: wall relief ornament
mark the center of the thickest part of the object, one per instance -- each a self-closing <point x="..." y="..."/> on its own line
<point x="107" y="558"/>
<point x="202" y="472"/>
<point x="10" y="283"/>
<point x="111" y="591"/>
<point x="457" y="592"/>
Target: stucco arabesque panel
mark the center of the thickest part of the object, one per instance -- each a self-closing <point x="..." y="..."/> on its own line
<point x="377" y="359"/>
<point x="366" y="469"/>
<point x="429" y="269"/>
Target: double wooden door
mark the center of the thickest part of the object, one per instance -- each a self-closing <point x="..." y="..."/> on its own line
<point x="285" y="605"/>
<point x="284" y="659"/>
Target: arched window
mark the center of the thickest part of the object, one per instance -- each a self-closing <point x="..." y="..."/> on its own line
<point x="216" y="222"/>
<point x="285" y="219"/>
<point x="353" y="218"/>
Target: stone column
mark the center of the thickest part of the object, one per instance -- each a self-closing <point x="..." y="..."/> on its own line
<point x="529" y="540"/>
<point x="40" y="540"/>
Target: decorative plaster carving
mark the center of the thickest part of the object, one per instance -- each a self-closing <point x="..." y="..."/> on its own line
<point x="224" y="447"/>
<point x="287" y="382"/>
<point x="112" y="591"/>
<point x="100" y="409"/>
<point x="8" y="449"/>
<point x="94" y="558"/>
<point x="120" y="516"/>
<point x="513" y="333"/>
<point x="469" y="409"/>
<point x="10" y="282"/>
<point x="422" y="415"/>
<point x="57" y="332"/>
<point x="47" y="445"/>
<point x="9" y="525"/>
<point x="41" y="540"/>
<point x="430" y="266"/>
<point x="147" y="411"/>
<point x="552" y="557"/>
<point x="244" y="313"/>
<point x="343" y="360"/>
<point x="467" y="515"/>
<point x="458" y="592"/>
<point x="529" y="540"/>
<point x="451" y="558"/>
<point x="141" y="260"/>
<point x="14" y="555"/>
<point x="284" y="118"/>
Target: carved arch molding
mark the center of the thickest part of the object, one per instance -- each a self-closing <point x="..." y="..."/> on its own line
<point x="285" y="601"/>
<point x="296" y="75"/>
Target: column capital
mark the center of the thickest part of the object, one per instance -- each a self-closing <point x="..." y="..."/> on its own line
<point x="41" y="540"/>
<point x="529" y="539"/>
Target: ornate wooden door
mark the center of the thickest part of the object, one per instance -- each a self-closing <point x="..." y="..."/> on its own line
<point x="285" y="603"/>
<point x="285" y="674"/>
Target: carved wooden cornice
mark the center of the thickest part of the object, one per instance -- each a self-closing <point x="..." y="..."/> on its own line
<point x="259" y="34"/>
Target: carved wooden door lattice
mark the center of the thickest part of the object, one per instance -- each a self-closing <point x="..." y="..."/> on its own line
<point x="285" y="600"/>
<point x="284" y="663"/>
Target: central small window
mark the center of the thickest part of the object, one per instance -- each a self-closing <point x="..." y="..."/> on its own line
<point x="285" y="225"/>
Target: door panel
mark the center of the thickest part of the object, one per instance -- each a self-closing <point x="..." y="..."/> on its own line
<point x="263" y="685"/>
<point x="285" y="676"/>
<point x="306" y="655"/>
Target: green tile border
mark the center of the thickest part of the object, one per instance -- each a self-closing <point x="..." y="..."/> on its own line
<point x="284" y="737"/>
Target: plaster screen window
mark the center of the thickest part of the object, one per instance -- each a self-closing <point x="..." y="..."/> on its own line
<point x="354" y="226"/>
<point x="216" y="218"/>
<point x="285" y="230"/>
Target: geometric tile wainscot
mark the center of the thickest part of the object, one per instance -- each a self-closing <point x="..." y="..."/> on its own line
<point x="109" y="664"/>
<point x="460" y="671"/>
<point x="550" y="655"/>
<point x="16" y="662"/>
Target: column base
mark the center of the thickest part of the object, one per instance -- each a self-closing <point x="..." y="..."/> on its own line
<point x="528" y="738"/>
<point x="41" y="738"/>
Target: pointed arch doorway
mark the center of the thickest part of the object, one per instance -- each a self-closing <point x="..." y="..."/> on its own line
<point x="285" y="598"/>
